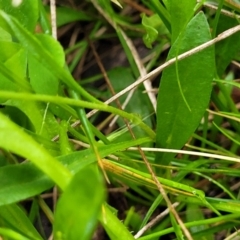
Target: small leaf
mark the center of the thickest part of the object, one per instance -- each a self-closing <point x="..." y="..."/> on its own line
<point x="185" y="88"/>
<point x="150" y="23"/>
<point x="162" y="12"/>
<point x="79" y="206"/>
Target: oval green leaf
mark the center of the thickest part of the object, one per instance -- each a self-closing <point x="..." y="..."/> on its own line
<point x="185" y="88"/>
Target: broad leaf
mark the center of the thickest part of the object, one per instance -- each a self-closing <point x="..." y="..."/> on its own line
<point x="5" y="36"/>
<point x="180" y="15"/>
<point x="12" y="54"/>
<point x="79" y="206"/>
<point x="185" y="88"/>
<point x="38" y="51"/>
<point x="42" y="79"/>
<point x="26" y="11"/>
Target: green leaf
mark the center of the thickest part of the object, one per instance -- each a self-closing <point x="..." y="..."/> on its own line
<point x="115" y="229"/>
<point x="42" y="79"/>
<point x="8" y="49"/>
<point x="79" y="103"/>
<point x="79" y="206"/>
<point x="53" y="47"/>
<point x="65" y="145"/>
<point x="12" y="234"/>
<point x="228" y="48"/>
<point x="14" y="78"/>
<point x="5" y="36"/>
<point x="38" y="51"/>
<point x="13" y="217"/>
<point x="162" y="12"/>
<point x="185" y="88"/>
<point x="177" y="228"/>
<point x="19" y="61"/>
<point x="149" y="24"/>
<point x="194" y="213"/>
<point x="181" y="12"/>
<point x="20" y="182"/>
<point x="42" y="119"/>
<point x="139" y="103"/>
<point x="14" y="139"/>
<point x="154" y="28"/>
<point x="67" y="15"/>
<point x="5" y="84"/>
<point x="23" y="181"/>
<point x="26" y="11"/>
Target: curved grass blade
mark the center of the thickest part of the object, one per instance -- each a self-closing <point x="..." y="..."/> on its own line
<point x="14" y="139"/>
<point x="79" y="103"/>
<point x="22" y="181"/>
<point x="12" y="216"/>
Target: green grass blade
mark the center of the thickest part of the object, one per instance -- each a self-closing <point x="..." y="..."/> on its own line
<point x="26" y="147"/>
<point x="29" y="181"/>
<point x="225" y="218"/>
<point x="79" y="206"/>
<point x="113" y="226"/>
<point x="79" y="103"/>
<point x="12" y="216"/>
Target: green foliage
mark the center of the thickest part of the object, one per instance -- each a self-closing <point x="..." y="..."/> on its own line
<point x="185" y="88"/>
<point x="226" y="50"/>
<point x="51" y="141"/>
<point x="180" y="16"/>
<point x="79" y="205"/>
<point x="25" y="11"/>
